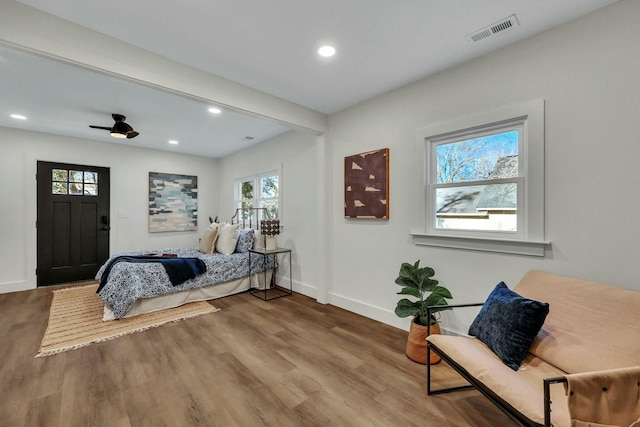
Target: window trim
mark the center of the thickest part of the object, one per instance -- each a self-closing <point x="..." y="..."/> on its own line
<point x="530" y="241"/>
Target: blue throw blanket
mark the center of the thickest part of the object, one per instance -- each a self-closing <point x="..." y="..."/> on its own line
<point x="179" y="270"/>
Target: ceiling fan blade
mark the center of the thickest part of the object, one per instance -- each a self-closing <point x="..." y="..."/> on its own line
<point x="132" y="134"/>
<point x="100" y="127"/>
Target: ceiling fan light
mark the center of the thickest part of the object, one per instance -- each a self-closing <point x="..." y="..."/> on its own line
<point x="119" y="130"/>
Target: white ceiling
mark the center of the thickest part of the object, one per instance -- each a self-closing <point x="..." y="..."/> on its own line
<point x="64" y="100"/>
<point x="268" y="45"/>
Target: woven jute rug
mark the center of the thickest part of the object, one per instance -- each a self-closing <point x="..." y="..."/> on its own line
<point x="75" y="320"/>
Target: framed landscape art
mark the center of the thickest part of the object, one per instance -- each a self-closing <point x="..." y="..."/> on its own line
<point x="366" y="185"/>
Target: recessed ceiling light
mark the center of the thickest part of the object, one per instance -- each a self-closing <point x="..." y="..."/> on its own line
<point x="174" y="142"/>
<point x="18" y="116"/>
<point x="215" y="110"/>
<point x="327" y="51"/>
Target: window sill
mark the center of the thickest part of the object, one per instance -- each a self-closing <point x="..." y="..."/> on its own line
<point x="518" y="247"/>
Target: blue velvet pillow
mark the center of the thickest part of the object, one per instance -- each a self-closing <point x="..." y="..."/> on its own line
<point x="508" y="323"/>
<point x="245" y="240"/>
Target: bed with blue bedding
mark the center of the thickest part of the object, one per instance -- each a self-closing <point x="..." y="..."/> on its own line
<point x="129" y="281"/>
<point x="134" y="283"/>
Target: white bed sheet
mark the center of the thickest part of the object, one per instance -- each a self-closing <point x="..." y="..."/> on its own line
<point x="162" y="302"/>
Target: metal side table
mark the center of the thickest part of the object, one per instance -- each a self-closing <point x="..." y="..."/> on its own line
<point x="271" y="290"/>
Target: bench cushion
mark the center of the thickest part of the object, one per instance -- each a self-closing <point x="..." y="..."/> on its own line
<point x="590" y="326"/>
<point x="522" y="389"/>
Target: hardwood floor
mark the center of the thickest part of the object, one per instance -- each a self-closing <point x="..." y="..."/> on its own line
<point x="286" y="362"/>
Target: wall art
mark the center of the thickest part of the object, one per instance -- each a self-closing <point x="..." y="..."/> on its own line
<point x="173" y="202"/>
<point x="366" y="185"/>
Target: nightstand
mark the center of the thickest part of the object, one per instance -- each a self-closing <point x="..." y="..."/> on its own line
<point x="271" y="290"/>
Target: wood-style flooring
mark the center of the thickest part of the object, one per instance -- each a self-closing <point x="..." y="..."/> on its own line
<point x="285" y="362"/>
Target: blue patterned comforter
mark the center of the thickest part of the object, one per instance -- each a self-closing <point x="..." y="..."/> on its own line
<point x="128" y="281"/>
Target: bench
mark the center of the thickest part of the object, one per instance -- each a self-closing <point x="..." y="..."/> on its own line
<point x="583" y="364"/>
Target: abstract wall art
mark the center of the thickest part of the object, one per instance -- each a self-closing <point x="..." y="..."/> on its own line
<point x="173" y="202"/>
<point x="366" y="185"/>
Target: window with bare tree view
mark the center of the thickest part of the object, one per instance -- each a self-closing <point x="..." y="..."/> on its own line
<point x="481" y="181"/>
<point x="476" y="181"/>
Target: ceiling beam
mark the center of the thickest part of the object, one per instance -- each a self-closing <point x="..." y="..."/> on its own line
<point x="32" y="30"/>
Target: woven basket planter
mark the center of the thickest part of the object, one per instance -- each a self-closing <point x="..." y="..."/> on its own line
<point x="417" y="342"/>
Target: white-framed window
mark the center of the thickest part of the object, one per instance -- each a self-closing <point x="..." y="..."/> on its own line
<point x="269" y="193"/>
<point x="482" y="185"/>
<point x="259" y="191"/>
<point x="474" y="181"/>
<point x="244" y="193"/>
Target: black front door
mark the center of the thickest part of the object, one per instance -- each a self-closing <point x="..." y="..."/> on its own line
<point x="73" y="222"/>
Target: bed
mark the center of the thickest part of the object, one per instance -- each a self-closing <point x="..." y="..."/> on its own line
<point x="138" y="282"/>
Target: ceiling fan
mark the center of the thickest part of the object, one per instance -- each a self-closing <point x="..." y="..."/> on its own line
<point x="120" y="129"/>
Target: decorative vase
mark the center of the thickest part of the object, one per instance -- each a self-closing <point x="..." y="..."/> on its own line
<point x="417" y="342"/>
<point x="270" y="243"/>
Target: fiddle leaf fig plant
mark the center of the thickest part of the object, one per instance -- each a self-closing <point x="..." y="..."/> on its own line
<point x="417" y="282"/>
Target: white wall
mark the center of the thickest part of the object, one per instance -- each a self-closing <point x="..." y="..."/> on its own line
<point x="294" y="153"/>
<point x="588" y="72"/>
<point x="129" y="170"/>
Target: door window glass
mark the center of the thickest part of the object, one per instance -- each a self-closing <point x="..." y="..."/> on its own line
<point x="74" y="182"/>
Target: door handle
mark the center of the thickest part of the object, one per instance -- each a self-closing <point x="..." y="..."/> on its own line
<point x="106" y="228"/>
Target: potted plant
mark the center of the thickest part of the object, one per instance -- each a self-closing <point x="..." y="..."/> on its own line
<point x="418" y="282"/>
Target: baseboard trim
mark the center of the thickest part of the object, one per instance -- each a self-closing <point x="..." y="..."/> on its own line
<point x="22" y="285"/>
<point x="367" y="310"/>
<point x="305" y="289"/>
<point x="380" y="314"/>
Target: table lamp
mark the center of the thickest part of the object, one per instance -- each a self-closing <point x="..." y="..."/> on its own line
<point x="270" y="228"/>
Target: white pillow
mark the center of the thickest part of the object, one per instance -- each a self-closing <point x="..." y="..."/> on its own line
<point x="227" y="239"/>
<point x="208" y="241"/>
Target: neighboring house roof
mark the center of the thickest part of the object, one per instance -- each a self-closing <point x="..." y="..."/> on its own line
<point x="506" y="167"/>
<point x="477" y="198"/>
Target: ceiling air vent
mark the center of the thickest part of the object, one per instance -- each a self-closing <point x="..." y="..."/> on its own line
<point x="493" y="29"/>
